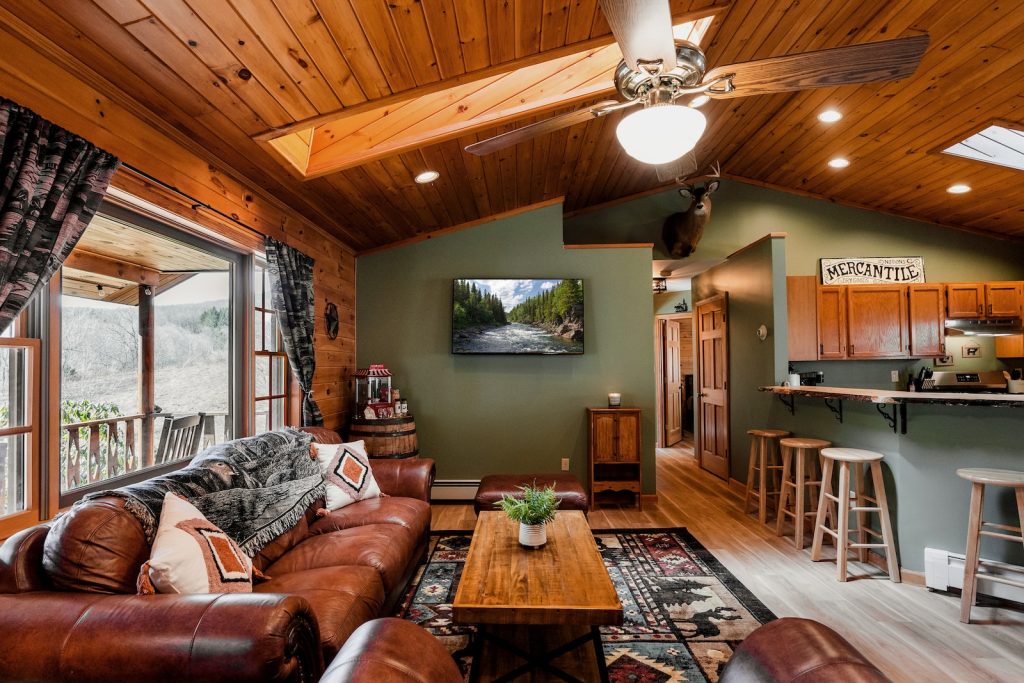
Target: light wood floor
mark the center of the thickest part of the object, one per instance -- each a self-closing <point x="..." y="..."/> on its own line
<point x="912" y="634"/>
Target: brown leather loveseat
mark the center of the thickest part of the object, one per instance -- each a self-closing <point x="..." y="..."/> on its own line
<point x="69" y="609"/>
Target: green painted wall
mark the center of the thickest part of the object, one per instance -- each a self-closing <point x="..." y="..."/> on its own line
<point x="748" y="280"/>
<point x="665" y="302"/>
<point x="928" y="500"/>
<point x="479" y="415"/>
<point x="743" y="213"/>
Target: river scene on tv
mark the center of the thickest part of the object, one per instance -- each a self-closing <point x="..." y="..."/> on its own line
<point x="517" y="316"/>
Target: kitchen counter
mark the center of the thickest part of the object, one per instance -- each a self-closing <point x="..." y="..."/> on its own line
<point x="892" y="396"/>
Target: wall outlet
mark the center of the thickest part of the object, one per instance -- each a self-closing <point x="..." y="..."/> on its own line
<point x="565" y="464"/>
<point x="894" y="375"/>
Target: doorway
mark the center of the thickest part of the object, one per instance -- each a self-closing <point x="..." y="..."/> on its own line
<point x="713" y="385"/>
<point x="674" y="353"/>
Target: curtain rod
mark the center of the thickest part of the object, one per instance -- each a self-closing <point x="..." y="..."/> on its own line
<point x="196" y="203"/>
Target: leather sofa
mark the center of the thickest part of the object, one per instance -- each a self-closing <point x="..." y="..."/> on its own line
<point x="792" y="650"/>
<point x="392" y="651"/>
<point x="68" y="608"/>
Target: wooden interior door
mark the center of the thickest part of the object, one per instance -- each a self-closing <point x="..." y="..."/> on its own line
<point x="713" y="385"/>
<point x="673" y="383"/>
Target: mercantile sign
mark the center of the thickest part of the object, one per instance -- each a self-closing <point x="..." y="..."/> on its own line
<point x="872" y="271"/>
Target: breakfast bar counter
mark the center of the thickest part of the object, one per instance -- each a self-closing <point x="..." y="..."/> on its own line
<point x="892" y="396"/>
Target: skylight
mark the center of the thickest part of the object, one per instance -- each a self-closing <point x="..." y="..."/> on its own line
<point x="995" y="145"/>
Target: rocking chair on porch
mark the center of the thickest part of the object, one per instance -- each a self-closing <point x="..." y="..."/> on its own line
<point x="180" y="438"/>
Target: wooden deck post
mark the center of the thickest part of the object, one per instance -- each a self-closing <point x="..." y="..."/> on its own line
<point x="146" y="399"/>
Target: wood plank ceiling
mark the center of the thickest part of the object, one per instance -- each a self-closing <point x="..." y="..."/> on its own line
<point x="223" y="72"/>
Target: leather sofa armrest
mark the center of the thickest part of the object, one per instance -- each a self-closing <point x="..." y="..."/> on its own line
<point x="21" y="561"/>
<point x="407" y="477"/>
<point x="91" y="637"/>
<point x="392" y="650"/>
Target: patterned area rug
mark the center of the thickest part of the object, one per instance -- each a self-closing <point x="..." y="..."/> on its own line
<point x="684" y="612"/>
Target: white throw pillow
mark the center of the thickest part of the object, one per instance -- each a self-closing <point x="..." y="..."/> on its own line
<point x="347" y="473"/>
<point x="192" y="555"/>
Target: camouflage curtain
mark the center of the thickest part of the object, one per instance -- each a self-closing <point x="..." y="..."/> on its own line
<point x="291" y="293"/>
<point x="52" y="183"/>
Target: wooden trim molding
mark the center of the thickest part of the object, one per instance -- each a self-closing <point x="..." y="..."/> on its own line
<point x="625" y="245"/>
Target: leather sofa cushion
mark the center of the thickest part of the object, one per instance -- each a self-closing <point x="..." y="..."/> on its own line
<point x="384" y="547"/>
<point x="97" y="547"/>
<point x="342" y="598"/>
<point x="410" y="513"/>
<point x="273" y="551"/>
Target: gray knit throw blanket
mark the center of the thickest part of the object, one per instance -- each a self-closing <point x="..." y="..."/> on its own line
<point x="254" y="488"/>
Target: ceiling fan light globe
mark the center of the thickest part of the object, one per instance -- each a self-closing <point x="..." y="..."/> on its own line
<point x="660" y="133"/>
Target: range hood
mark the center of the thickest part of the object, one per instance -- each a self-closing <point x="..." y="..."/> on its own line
<point x="991" y="327"/>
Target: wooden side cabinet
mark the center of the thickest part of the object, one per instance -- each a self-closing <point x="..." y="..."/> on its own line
<point x="1010" y="347"/>
<point x="801" y="302"/>
<point x="831" y="321"/>
<point x="1002" y="299"/>
<point x="927" y="320"/>
<point x="614" y="451"/>
<point x="965" y="300"/>
<point x="876" y="317"/>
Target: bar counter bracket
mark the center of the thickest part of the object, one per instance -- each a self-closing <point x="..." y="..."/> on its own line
<point x="891" y="418"/>
<point x="789" y="402"/>
<point x="836" y="406"/>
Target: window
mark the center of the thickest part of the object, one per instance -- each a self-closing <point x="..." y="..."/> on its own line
<point x="19" y="435"/>
<point x="271" y="372"/>
<point x="148" y="352"/>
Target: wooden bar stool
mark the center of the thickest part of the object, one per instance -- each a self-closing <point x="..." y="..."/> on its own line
<point x="857" y="458"/>
<point x="979" y="478"/>
<point x="764" y="459"/>
<point x="798" y="456"/>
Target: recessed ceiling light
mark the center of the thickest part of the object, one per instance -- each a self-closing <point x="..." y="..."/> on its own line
<point x="839" y="162"/>
<point x="427" y="177"/>
<point x="829" y="116"/>
<point x="699" y="101"/>
<point x="959" y="188"/>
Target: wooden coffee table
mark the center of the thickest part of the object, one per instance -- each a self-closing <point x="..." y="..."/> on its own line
<point x="564" y="584"/>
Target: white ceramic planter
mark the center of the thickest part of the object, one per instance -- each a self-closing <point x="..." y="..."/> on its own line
<point x="533" y="535"/>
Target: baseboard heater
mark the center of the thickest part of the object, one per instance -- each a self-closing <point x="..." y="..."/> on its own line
<point x="454" y="489"/>
<point x="944" y="570"/>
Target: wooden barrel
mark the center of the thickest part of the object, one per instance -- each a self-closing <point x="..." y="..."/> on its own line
<point x="390" y="437"/>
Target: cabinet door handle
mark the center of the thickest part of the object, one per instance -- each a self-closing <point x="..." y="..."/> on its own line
<point x="852" y="349"/>
<point x="990" y="309"/>
<point x="821" y="349"/>
<point x="979" y="309"/>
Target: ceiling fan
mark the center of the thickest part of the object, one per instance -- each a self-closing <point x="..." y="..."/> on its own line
<point x="657" y="72"/>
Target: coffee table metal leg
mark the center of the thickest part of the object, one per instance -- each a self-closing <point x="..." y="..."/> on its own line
<point x="602" y="667"/>
<point x="543" y="661"/>
<point x="473" y="648"/>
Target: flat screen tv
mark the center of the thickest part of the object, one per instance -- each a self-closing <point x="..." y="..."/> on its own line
<point x="543" y="316"/>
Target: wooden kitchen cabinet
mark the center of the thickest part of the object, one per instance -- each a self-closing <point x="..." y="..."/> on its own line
<point x="614" y="451"/>
<point x="802" y="314"/>
<point x="1011" y="346"/>
<point x="1002" y="299"/>
<point x="926" y="306"/>
<point x="965" y="300"/>
<point x="876" y="321"/>
<point x="831" y="321"/>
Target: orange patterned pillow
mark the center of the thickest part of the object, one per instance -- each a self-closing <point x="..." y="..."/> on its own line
<point x="347" y="473"/>
<point x="192" y="555"/>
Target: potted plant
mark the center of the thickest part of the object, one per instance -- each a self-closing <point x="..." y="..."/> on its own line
<point x="533" y="509"/>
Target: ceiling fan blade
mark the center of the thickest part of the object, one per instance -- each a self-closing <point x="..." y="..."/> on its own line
<point x="643" y="30"/>
<point x="514" y="137"/>
<point x="680" y="168"/>
<point x="885" y="60"/>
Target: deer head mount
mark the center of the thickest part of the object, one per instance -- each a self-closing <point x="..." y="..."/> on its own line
<point x="682" y="231"/>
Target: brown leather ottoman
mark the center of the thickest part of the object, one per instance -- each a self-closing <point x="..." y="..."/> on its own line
<point x="792" y="649"/>
<point x="567" y="487"/>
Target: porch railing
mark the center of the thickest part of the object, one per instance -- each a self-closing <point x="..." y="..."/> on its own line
<point x="96" y="450"/>
<point x="99" y="449"/>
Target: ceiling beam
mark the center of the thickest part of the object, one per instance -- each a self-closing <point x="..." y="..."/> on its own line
<point x="391" y="101"/>
<point x="104" y="265"/>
